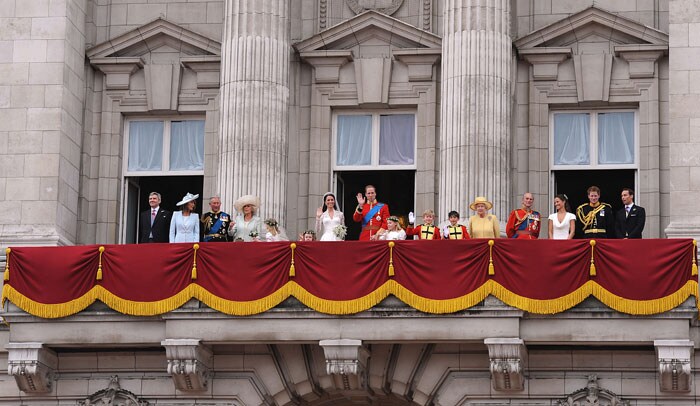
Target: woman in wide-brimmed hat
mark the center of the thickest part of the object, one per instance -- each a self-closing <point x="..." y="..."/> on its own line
<point x="184" y="226"/>
<point x="483" y="224"/>
<point x="248" y="226"/>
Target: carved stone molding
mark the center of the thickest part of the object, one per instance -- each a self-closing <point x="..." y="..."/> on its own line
<point x="207" y="68"/>
<point x="327" y="64"/>
<point x="387" y="7"/>
<point x="507" y="357"/>
<point x="545" y="61"/>
<point x="641" y="58"/>
<point x="189" y="363"/>
<point x="32" y="365"/>
<point x="346" y="362"/>
<point x="420" y="62"/>
<point x="593" y="395"/>
<point x="113" y="395"/>
<point x="117" y="71"/>
<point x="674" y="358"/>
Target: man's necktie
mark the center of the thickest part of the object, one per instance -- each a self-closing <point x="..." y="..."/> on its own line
<point x="153" y="216"/>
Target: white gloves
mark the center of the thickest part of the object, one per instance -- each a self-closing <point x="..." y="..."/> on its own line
<point x="411" y="218"/>
<point x="446" y="232"/>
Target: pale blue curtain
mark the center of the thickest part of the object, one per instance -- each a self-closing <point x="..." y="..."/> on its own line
<point x="354" y="140"/>
<point x="397" y="139"/>
<point x="145" y="145"/>
<point x="187" y="145"/>
<point x="572" y="139"/>
<point x="616" y="138"/>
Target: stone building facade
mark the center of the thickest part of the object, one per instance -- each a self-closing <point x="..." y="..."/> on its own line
<point x="267" y="98"/>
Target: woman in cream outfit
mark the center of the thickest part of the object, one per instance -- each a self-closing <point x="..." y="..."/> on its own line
<point x="247" y="226"/>
<point x="483" y="224"/>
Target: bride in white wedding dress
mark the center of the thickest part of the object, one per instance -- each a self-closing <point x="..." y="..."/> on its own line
<point x="328" y="217"/>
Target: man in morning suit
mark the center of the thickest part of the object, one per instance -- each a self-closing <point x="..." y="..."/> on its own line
<point x="629" y="220"/>
<point x="371" y="213"/>
<point x="154" y="224"/>
<point x="595" y="218"/>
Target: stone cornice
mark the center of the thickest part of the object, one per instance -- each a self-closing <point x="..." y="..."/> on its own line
<point x="118" y="70"/>
<point x="327" y="64"/>
<point x="641" y="58"/>
<point x="419" y="61"/>
<point x="545" y="61"/>
<point x="207" y="68"/>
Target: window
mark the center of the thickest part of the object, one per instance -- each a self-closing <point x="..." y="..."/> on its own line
<point x="375" y="140"/>
<point x="594" y="139"/>
<point x="160" y="147"/>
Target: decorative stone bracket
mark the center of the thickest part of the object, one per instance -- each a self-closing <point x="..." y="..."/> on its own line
<point x="189" y="363"/>
<point x="117" y="70"/>
<point x="641" y="58"/>
<point x="545" y="61"/>
<point x="327" y="64"/>
<point x="508" y="358"/>
<point x="346" y="362"/>
<point x="674" y="358"/>
<point x="32" y="365"/>
<point x="420" y="62"/>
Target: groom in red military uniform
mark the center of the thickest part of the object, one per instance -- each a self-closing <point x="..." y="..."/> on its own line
<point x="371" y="213"/>
<point x="524" y="222"/>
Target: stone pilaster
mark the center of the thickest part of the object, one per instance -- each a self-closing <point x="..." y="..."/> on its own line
<point x="684" y="134"/>
<point x="475" y="133"/>
<point x="255" y="103"/>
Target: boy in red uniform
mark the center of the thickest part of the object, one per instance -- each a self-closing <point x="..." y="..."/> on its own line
<point x="371" y="213"/>
<point x="425" y="231"/>
<point x="454" y="230"/>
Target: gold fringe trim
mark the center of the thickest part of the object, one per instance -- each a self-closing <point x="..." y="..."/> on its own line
<point x="694" y="252"/>
<point x="195" y="247"/>
<point x="440" y="306"/>
<point x="6" y="274"/>
<point x="341" y="306"/>
<point x="541" y="306"/>
<point x="391" y="258"/>
<point x="645" y="307"/>
<point x="292" y="269"/>
<point x="592" y="271"/>
<point x="492" y="270"/>
<point x="98" y="277"/>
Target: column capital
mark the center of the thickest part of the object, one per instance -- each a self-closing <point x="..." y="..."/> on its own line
<point x="346" y="362"/>
<point x="507" y="357"/>
<point x="674" y="359"/>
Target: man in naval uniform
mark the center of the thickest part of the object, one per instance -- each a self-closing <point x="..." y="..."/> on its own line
<point x="371" y="213"/>
<point x="215" y="222"/>
<point x="595" y="218"/>
<point x="524" y="223"/>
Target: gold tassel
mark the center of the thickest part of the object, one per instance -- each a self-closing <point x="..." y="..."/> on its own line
<point x="592" y="271"/>
<point x="194" y="262"/>
<point x="492" y="270"/>
<point x="391" y="258"/>
<point x="292" y="271"/>
<point x="694" y="268"/>
<point x="6" y="275"/>
<point x="99" y="266"/>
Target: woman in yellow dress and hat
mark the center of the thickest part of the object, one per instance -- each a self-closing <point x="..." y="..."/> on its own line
<point x="483" y="224"/>
<point x="248" y="226"/>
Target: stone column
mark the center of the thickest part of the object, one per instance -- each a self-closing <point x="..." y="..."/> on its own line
<point x="476" y="105"/>
<point x="684" y="132"/>
<point x="255" y="103"/>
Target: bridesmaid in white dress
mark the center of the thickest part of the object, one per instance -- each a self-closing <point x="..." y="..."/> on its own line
<point x="393" y="230"/>
<point x="562" y="222"/>
<point x="328" y="217"/>
<point x="184" y="226"/>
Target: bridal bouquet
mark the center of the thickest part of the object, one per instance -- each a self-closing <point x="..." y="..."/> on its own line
<point x="253" y="234"/>
<point x="340" y="231"/>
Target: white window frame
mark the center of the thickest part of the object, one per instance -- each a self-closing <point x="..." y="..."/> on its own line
<point x="167" y="121"/>
<point x="593" y="147"/>
<point x="374" y="159"/>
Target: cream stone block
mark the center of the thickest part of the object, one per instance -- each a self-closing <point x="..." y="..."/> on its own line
<point x="680" y="179"/>
<point x="41" y="165"/>
<point x="72" y="387"/>
<point x="24" y="142"/>
<point x="12" y="212"/>
<point x="13" y="119"/>
<point x="33" y="8"/>
<point x="50" y="143"/>
<point x="53" y="95"/>
<point x="636" y="360"/>
<point x="542" y="384"/>
<point x="687" y="154"/>
<point x="188" y="13"/>
<point x="46" y="73"/>
<point x="139" y="14"/>
<point x="49" y="28"/>
<point x="684" y="58"/>
<point x="684" y="11"/>
<point x="549" y="360"/>
<point x="571" y="6"/>
<point x="678" y="35"/>
<point x="116" y="361"/>
<point x="678" y="84"/>
<point x="14" y="74"/>
<point x="37" y="212"/>
<point x="7" y="8"/>
<point x="6" y="50"/>
<point x="28" y="96"/>
<point x="15" y="28"/>
<point x="5" y="96"/>
<point x="48" y="188"/>
<point x="3" y="181"/>
<point x="215" y="12"/>
<point x="638" y="384"/>
<point x="599" y="360"/>
<point x="43" y="119"/>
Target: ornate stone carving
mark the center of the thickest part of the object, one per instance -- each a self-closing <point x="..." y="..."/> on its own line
<point x="113" y="395"/>
<point x="188" y="363"/>
<point x="322" y="14"/>
<point x="387" y="7"/>
<point x="427" y="14"/>
<point x="346" y="362"/>
<point x="674" y="358"/>
<point x="507" y="357"/>
<point x="32" y="365"/>
<point x="593" y="395"/>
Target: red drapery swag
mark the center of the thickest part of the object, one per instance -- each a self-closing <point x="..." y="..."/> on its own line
<point x="538" y="276"/>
